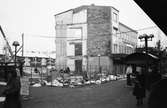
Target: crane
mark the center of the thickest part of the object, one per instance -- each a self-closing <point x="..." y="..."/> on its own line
<point x="7" y="43"/>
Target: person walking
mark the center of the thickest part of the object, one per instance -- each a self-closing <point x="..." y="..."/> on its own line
<point x="128" y="74"/>
<point x="158" y="95"/>
<point x="12" y="91"/>
<point x="139" y="89"/>
<point x="153" y="77"/>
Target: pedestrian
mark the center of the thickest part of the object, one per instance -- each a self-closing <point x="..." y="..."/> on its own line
<point x="128" y="74"/>
<point x="140" y="76"/>
<point x="154" y="76"/>
<point x="158" y="94"/>
<point x="12" y="91"/>
<point x="139" y="89"/>
<point x="138" y="92"/>
<point x="67" y="70"/>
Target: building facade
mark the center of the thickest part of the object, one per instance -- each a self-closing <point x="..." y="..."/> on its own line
<point x="88" y="35"/>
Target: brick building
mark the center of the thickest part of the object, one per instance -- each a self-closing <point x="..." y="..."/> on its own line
<point x="89" y="36"/>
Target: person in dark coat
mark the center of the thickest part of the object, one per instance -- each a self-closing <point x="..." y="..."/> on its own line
<point x="12" y="91"/>
<point x="128" y="74"/>
<point x="158" y="94"/>
<point x="139" y="93"/>
<point x="154" y="76"/>
<point x="139" y="89"/>
<point x="140" y="76"/>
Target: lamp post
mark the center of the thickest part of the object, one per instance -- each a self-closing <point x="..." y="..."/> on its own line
<point x="99" y="65"/>
<point x="15" y="44"/>
<point x="146" y="37"/>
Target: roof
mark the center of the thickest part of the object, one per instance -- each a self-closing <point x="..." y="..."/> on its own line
<point x="80" y="8"/>
<point x="63" y="12"/>
<point x="128" y="27"/>
<point x="141" y="58"/>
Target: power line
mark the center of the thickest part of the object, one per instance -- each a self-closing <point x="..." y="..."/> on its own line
<point x="79" y="38"/>
<point x="49" y="36"/>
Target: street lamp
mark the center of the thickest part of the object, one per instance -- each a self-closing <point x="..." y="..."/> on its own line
<point x="99" y="64"/>
<point x="146" y="39"/>
<point x="15" y="44"/>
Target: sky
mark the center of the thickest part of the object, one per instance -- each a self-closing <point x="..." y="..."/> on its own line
<point x="35" y="18"/>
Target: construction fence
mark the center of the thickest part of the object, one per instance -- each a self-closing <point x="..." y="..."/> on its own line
<point x="90" y="71"/>
<point x="59" y="75"/>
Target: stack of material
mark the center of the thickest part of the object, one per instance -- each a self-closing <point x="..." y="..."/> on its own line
<point x="76" y="80"/>
<point x="47" y="83"/>
<point x="112" y="77"/>
<point x="2" y="99"/>
<point x="56" y="83"/>
<point x="37" y="85"/>
<point x="98" y="81"/>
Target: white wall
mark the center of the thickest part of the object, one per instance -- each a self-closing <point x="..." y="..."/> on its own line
<point x="64" y="18"/>
<point x="80" y="17"/>
<point x="77" y="32"/>
<point x="114" y="24"/>
<point x="70" y="64"/>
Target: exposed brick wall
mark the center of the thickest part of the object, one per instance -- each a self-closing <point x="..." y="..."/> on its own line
<point x="99" y="30"/>
<point x="99" y="14"/>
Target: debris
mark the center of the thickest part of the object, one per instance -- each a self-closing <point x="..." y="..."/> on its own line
<point x="112" y="77"/>
<point x="37" y="85"/>
<point x="87" y="82"/>
<point x="56" y="83"/>
<point x="2" y="99"/>
<point x="3" y="83"/>
<point x="98" y="82"/>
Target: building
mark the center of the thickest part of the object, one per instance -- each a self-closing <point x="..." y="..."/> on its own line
<point x="88" y="36"/>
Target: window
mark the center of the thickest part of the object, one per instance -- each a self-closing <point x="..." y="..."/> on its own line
<point x="120" y="49"/>
<point x="78" y="49"/>
<point x="115" y="48"/>
<point x="115" y="17"/>
<point x="115" y="31"/>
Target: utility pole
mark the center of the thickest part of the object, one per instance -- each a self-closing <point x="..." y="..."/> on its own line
<point x="22" y="44"/>
<point x="146" y="39"/>
<point x="7" y="43"/>
<point x="159" y="54"/>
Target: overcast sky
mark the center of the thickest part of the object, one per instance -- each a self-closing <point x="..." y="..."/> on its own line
<point x="36" y="18"/>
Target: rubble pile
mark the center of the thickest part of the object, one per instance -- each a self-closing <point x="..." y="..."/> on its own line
<point x="76" y="81"/>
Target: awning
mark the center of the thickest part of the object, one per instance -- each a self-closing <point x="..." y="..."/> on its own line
<point x="140" y="58"/>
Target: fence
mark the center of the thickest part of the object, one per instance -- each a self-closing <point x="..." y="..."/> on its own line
<point x="90" y="72"/>
<point x="94" y="71"/>
<point x="36" y="73"/>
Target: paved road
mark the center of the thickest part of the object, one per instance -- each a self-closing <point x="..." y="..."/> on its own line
<point x="114" y="94"/>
